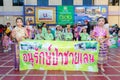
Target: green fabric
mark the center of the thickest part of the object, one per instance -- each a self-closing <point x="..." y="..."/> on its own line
<point x="49" y="36"/>
<point x="44" y="31"/>
<point x="68" y="36"/>
<point x="39" y="36"/>
<point x="84" y="36"/>
<point x="58" y="36"/>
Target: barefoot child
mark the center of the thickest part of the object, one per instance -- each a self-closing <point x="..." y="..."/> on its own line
<point x="101" y="35"/>
<point x="19" y="33"/>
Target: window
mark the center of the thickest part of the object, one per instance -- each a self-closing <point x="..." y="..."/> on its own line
<point x="42" y="2"/>
<point x="113" y="2"/>
<point x="67" y="2"/>
<point x="18" y="2"/>
<point x="87" y="2"/>
<point x="1" y="2"/>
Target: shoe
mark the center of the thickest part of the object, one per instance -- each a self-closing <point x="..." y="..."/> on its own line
<point x="103" y="70"/>
<point x="5" y="51"/>
<point x="16" y="69"/>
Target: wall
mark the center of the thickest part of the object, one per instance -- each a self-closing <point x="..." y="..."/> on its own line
<point x="114" y="15"/>
<point x="8" y="13"/>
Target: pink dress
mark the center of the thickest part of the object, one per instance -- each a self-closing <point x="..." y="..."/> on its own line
<point x="29" y="31"/>
<point x="5" y="41"/>
<point x="101" y="33"/>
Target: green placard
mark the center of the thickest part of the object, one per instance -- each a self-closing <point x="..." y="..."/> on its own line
<point x="65" y="15"/>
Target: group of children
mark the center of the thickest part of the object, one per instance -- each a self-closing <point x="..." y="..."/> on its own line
<point x="99" y="33"/>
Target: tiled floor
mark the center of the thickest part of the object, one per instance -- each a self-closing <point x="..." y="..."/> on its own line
<point x="7" y="70"/>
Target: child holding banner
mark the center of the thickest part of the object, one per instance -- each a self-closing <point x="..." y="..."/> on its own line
<point x="101" y="35"/>
<point x="84" y="35"/>
<point x="44" y="29"/>
<point x="68" y="35"/>
<point x="29" y="29"/>
<point x="58" y="33"/>
<point x="19" y="33"/>
<point x="49" y="35"/>
<point x="39" y="36"/>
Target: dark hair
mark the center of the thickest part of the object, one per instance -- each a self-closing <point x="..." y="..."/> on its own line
<point x="40" y="28"/>
<point x="19" y="18"/>
<point x="100" y="18"/>
<point x="8" y="22"/>
<point x="42" y="24"/>
<point x="1" y="26"/>
<point x="106" y="20"/>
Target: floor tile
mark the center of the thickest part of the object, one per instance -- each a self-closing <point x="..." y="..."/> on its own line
<point x="13" y="72"/>
<point x="36" y="72"/>
<point x="109" y="70"/>
<point x="74" y="72"/>
<point x="12" y="78"/>
<point x="55" y="72"/>
<point x="118" y="68"/>
<point x="114" y="77"/>
<point x="76" y="78"/>
<point x="94" y="73"/>
<point x="4" y="70"/>
<point x="33" y="78"/>
<point x="9" y="64"/>
<point x="2" y="62"/>
<point x="114" y="63"/>
<point x="97" y="78"/>
<point x="54" y="78"/>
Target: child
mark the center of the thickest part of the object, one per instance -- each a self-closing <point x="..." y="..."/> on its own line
<point x="33" y="32"/>
<point x="119" y="38"/>
<point x="5" y="42"/>
<point x="29" y="29"/>
<point x="68" y="35"/>
<point x="75" y="33"/>
<point x="84" y="35"/>
<point x="44" y="29"/>
<point x="101" y="35"/>
<point x="49" y="35"/>
<point x="58" y="33"/>
<point x="39" y="36"/>
<point x="19" y="33"/>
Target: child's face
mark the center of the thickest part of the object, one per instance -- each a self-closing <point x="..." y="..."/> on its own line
<point x="68" y="26"/>
<point x="40" y="31"/>
<point x="58" y="28"/>
<point x="49" y="31"/>
<point x="44" y="25"/>
<point x="19" y="23"/>
<point x="101" y="22"/>
<point x="27" y="22"/>
<point x="84" y="30"/>
<point x="68" y="30"/>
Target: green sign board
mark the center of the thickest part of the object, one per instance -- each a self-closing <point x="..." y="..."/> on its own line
<point x="65" y="15"/>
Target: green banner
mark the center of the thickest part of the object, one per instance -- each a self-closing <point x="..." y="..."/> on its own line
<point x="65" y="15"/>
<point x="59" y="55"/>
